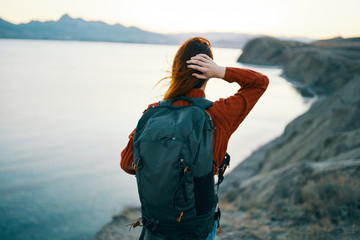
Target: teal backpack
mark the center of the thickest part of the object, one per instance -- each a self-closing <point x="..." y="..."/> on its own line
<point x="173" y="158"/>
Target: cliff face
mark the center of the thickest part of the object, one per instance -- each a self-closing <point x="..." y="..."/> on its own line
<point x="330" y="130"/>
<point x="306" y="183"/>
<point x="321" y="66"/>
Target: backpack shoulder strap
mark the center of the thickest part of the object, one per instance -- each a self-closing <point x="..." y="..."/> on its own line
<point x="202" y="103"/>
<point x="199" y="102"/>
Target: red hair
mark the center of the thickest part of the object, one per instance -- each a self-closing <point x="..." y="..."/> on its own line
<point x="181" y="77"/>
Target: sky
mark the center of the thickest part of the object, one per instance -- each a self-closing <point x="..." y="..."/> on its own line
<point x="294" y="18"/>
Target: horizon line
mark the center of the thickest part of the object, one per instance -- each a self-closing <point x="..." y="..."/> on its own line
<point x="173" y="33"/>
<point x="143" y="29"/>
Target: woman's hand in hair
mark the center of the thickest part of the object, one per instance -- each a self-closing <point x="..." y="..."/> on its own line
<point x="207" y="66"/>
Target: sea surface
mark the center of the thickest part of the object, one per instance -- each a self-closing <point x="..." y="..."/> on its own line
<point x="66" y="110"/>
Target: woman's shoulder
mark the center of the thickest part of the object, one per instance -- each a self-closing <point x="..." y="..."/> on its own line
<point x="153" y="104"/>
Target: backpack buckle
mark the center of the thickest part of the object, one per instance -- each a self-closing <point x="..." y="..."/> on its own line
<point x="152" y="224"/>
<point x="178" y="219"/>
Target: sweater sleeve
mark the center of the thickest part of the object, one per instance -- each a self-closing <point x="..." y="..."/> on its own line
<point x="127" y="156"/>
<point x="233" y="110"/>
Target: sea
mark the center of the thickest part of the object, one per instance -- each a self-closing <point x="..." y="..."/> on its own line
<point x="66" y="110"/>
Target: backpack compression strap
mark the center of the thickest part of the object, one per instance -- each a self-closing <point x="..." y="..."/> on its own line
<point x="221" y="170"/>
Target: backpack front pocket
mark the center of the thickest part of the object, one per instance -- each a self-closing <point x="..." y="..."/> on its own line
<point x="204" y="193"/>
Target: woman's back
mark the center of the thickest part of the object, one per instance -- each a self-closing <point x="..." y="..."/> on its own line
<point x="193" y="66"/>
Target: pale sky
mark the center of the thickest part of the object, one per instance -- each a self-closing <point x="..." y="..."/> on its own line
<point x="301" y="18"/>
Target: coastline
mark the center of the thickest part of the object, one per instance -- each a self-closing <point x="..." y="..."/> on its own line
<point x="304" y="184"/>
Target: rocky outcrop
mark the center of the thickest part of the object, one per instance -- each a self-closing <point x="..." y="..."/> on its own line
<point x="267" y="51"/>
<point x="330" y="130"/>
<point x="323" y="66"/>
<point x="305" y="184"/>
<point x="121" y="226"/>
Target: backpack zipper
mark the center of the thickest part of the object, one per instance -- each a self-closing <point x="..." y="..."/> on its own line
<point x="164" y="141"/>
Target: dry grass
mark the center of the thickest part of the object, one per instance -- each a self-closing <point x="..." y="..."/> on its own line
<point x="325" y="208"/>
<point x="328" y="208"/>
<point x="332" y="200"/>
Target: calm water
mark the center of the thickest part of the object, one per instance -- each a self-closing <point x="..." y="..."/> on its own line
<point x="66" y="109"/>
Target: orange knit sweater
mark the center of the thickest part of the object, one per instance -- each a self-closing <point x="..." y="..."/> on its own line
<point x="226" y="114"/>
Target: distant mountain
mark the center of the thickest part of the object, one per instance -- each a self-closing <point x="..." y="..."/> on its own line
<point x="67" y="28"/>
<point x="77" y="29"/>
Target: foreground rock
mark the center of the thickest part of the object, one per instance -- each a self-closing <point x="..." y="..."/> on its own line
<point x="306" y="183"/>
<point x="119" y="227"/>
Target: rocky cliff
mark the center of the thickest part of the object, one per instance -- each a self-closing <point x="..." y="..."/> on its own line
<point x="322" y="66"/>
<point x="306" y="183"/>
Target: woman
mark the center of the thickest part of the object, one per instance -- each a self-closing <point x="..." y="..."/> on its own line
<point x="193" y="66"/>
